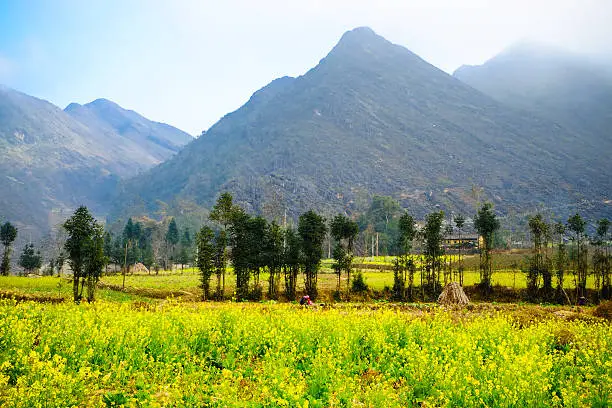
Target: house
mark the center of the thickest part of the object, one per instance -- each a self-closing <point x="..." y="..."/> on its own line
<point x="463" y="241"/>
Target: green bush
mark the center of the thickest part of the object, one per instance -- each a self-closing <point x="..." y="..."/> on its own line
<point x="359" y="284"/>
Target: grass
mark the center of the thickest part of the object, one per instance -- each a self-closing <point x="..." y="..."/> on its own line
<point x="189" y="280"/>
<point x="377" y="280"/>
<point x="186" y="283"/>
<point x="58" y="288"/>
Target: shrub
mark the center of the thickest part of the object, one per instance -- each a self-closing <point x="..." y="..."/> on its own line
<point x="359" y="284"/>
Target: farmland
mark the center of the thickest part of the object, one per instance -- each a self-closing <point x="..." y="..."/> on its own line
<point x="155" y="343"/>
<point x="186" y="282"/>
<point x="169" y="353"/>
<point x="138" y="348"/>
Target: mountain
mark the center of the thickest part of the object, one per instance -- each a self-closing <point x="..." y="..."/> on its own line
<point x="50" y="162"/>
<point x="158" y="139"/>
<point x="374" y="118"/>
<point x="565" y="88"/>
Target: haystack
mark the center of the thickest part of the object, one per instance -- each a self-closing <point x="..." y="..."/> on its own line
<point x="140" y="268"/>
<point x="453" y="295"/>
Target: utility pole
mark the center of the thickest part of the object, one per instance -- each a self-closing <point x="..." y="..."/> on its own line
<point x="372" y="246"/>
<point x="377" y="244"/>
<point x="285" y="229"/>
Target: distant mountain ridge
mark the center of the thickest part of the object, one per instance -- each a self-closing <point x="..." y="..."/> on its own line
<point x="554" y="84"/>
<point x="161" y="140"/>
<point x="52" y="161"/>
<point x="374" y="118"/>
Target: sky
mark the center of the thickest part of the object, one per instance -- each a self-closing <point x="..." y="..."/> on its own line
<point x="188" y="63"/>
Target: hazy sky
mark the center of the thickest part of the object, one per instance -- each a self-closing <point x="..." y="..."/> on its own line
<point x="188" y="63"/>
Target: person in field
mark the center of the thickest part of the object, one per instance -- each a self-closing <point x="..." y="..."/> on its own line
<point x="305" y="301"/>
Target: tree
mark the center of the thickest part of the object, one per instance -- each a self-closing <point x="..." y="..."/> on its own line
<point x="459" y="223"/>
<point x="172" y="238"/>
<point x="339" y="265"/>
<point x="59" y="263"/>
<point x="116" y="255"/>
<point x="273" y="254"/>
<point x="601" y="259"/>
<point x="538" y="263"/>
<point x="256" y="252"/>
<point x="560" y="261"/>
<point x="185" y="252"/>
<point x="205" y="258"/>
<point x="223" y="212"/>
<point x="312" y="230"/>
<point x="448" y="264"/>
<point x="433" y="250"/>
<point x="147" y="255"/>
<point x="383" y="209"/>
<point x="131" y="234"/>
<point x="8" y="233"/>
<point x="56" y="240"/>
<point x="291" y="262"/>
<point x="381" y="217"/>
<point x="158" y="245"/>
<point x="486" y="224"/>
<point x="241" y="252"/>
<point x="577" y="226"/>
<point x="108" y="247"/>
<point x="344" y="231"/>
<point x="404" y="266"/>
<point x="220" y="260"/>
<point x="30" y="259"/>
<point x="85" y="249"/>
<point x="96" y="261"/>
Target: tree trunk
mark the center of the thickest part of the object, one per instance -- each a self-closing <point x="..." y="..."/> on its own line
<point x="125" y="263"/>
<point x="75" y="286"/>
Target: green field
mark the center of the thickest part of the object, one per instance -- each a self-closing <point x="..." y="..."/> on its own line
<point x="187" y="284"/>
<point x="376" y="280"/>
<point x="57" y="288"/>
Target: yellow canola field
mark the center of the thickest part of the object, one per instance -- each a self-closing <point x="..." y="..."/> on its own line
<point x="281" y="355"/>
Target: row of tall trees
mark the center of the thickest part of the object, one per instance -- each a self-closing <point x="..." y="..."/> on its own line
<point x="436" y="269"/>
<point x="432" y="263"/>
<point x="254" y="246"/>
<point x="553" y="258"/>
